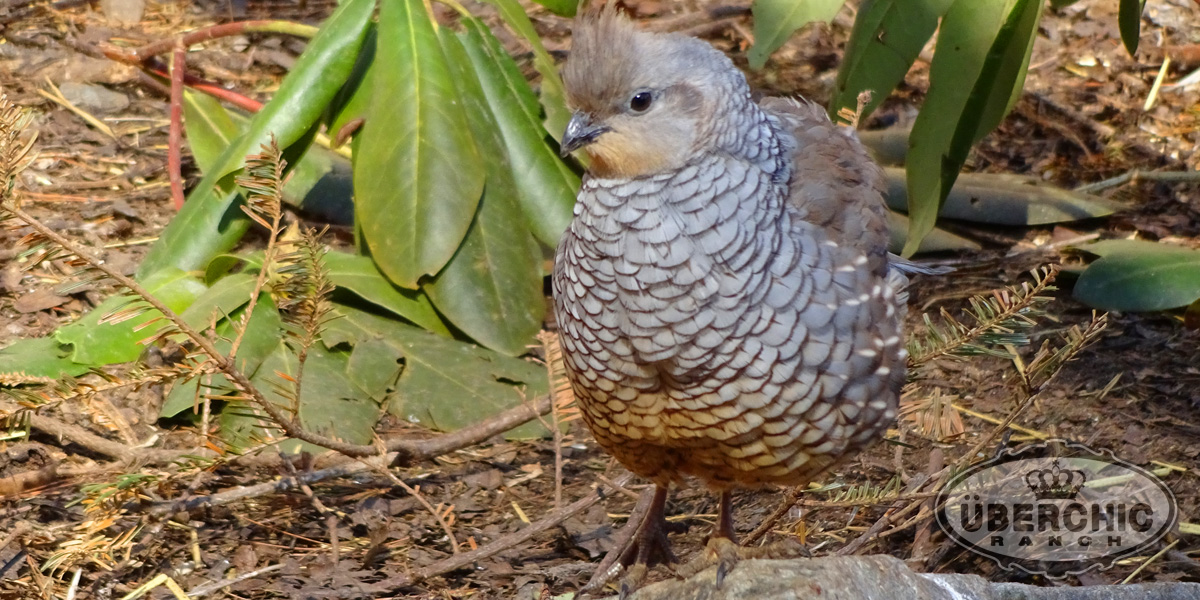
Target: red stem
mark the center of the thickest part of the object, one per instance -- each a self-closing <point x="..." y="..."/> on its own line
<point x="197" y="37"/>
<point x="156" y="67"/>
<point x="175" y="135"/>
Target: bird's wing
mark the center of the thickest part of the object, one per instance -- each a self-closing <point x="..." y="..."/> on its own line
<point x="835" y="182"/>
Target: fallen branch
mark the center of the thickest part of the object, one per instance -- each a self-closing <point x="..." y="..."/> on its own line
<point x="505" y="542"/>
<point x="413" y="452"/>
<point x="175" y="133"/>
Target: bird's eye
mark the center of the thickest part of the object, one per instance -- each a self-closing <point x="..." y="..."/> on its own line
<point x="640" y="101"/>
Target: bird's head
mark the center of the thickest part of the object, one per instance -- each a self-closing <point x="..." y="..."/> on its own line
<point x="644" y="103"/>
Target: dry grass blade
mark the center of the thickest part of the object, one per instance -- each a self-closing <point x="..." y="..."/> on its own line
<point x="934" y="415"/>
<point x="14" y="151"/>
<point x="563" y="408"/>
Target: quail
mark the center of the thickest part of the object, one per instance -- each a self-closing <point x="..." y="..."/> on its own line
<point x="726" y="307"/>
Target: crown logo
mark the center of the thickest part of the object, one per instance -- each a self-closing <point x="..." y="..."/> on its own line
<point x="1055" y="483"/>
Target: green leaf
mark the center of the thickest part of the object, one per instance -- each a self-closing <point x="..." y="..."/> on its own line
<point x="38" y="358"/>
<point x="354" y="98"/>
<point x="1129" y="20"/>
<point x="1005" y="199"/>
<point x="886" y="39"/>
<point x="982" y="53"/>
<point x="373" y="367"/>
<point x="219" y="301"/>
<point x="444" y="384"/>
<point x="1140" y="276"/>
<point x="94" y="343"/>
<point x="211" y="221"/>
<point x="492" y="288"/>
<point x="359" y="275"/>
<point x="938" y="240"/>
<point x="262" y="336"/>
<point x="562" y="8"/>
<point x="553" y="94"/>
<point x="209" y="127"/>
<point x="417" y="174"/>
<point x="546" y="185"/>
<point x="329" y="404"/>
<point x="888" y="146"/>
<point x="319" y="181"/>
<point x="1108" y="247"/>
<point x="221" y="265"/>
<point x="776" y="20"/>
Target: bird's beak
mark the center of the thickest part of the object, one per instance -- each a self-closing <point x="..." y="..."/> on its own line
<point x="580" y="132"/>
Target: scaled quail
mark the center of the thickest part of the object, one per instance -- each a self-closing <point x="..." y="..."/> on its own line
<point x="723" y="292"/>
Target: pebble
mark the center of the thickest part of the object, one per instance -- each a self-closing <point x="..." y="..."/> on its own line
<point x="94" y="98"/>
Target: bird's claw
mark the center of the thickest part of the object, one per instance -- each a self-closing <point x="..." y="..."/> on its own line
<point x="634" y="576"/>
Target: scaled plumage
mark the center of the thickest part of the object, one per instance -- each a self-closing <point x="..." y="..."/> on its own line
<point x="723" y="292"/>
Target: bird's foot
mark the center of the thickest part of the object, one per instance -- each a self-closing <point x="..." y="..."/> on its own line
<point x="725" y="554"/>
<point x="647" y="546"/>
<point x="650" y="547"/>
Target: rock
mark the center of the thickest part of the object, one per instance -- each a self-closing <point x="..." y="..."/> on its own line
<point x="94" y="98"/>
<point x="124" y="12"/>
<point x="881" y="577"/>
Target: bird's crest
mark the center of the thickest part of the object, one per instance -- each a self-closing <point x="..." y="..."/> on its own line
<point x="604" y="57"/>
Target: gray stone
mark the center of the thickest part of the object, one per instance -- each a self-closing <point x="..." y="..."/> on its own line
<point x="94" y="98"/>
<point x="882" y="577"/>
<point x="125" y="12"/>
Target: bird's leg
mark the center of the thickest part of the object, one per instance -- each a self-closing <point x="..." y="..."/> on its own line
<point x="723" y="550"/>
<point x="650" y="545"/>
<point x="725" y="518"/>
<point x="723" y="542"/>
<point x="647" y="545"/>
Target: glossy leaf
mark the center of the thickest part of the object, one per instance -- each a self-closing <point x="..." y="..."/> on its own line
<point x="444" y="384"/>
<point x="373" y="367"/>
<point x="776" y="20"/>
<point x="221" y="265"/>
<point x="1005" y="199"/>
<point x="329" y="404"/>
<point x="553" y="94"/>
<point x="938" y="240"/>
<point x="40" y="358"/>
<point x="262" y="336"/>
<point x="359" y="275"/>
<point x="562" y="8"/>
<point x="546" y="186"/>
<point x="1140" y="276"/>
<point x="210" y="129"/>
<point x="492" y="288"/>
<point x="889" y="147"/>
<point x="219" y="301"/>
<point x="354" y="98"/>
<point x="1129" y="20"/>
<point x="318" y="182"/>
<point x="94" y="343"/>
<point x="417" y="175"/>
<point x="211" y="221"/>
<point x="982" y="53"/>
<point x="886" y="39"/>
<point x="1110" y="247"/>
